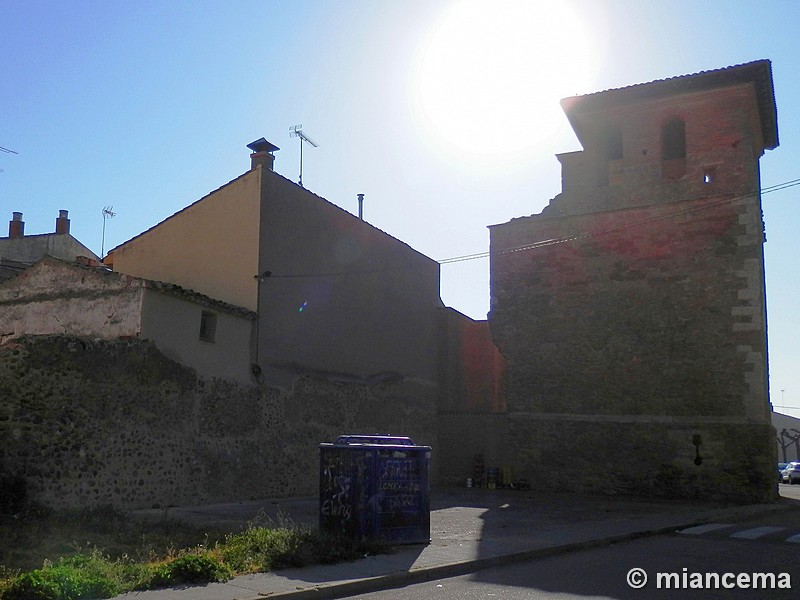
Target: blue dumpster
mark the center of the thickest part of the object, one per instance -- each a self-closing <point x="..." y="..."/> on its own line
<point x="375" y="487"/>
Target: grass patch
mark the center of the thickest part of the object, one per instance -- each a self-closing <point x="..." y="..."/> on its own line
<point x="260" y="549"/>
<point x="120" y="555"/>
<point x="37" y="535"/>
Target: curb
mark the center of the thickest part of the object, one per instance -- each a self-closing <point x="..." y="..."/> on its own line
<point x="331" y="591"/>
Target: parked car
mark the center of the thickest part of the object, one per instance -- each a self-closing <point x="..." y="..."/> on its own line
<point x="781" y="467"/>
<point x="791" y="474"/>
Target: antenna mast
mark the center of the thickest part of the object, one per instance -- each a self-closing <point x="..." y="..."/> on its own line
<point x="296" y="131"/>
<point x="6" y="151"/>
<point x="107" y="214"/>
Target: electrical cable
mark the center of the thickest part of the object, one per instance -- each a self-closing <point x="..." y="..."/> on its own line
<point x="566" y="239"/>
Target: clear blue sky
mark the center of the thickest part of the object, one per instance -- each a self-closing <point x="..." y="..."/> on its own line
<point x="444" y="114"/>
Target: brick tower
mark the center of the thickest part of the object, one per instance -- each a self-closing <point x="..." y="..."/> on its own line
<point x="631" y="311"/>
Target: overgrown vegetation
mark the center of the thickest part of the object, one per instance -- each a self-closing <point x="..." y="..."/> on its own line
<point x="119" y="555"/>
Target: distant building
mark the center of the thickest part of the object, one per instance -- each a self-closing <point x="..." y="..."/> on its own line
<point x="787" y="430"/>
<point x="19" y="251"/>
<point x="631" y="311"/>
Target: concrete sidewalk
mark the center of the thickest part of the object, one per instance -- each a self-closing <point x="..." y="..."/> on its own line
<point x="471" y="529"/>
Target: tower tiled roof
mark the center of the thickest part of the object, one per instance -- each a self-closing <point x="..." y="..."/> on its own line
<point x="758" y="72"/>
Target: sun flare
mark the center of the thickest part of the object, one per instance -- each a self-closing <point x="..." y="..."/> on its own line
<point x="490" y="74"/>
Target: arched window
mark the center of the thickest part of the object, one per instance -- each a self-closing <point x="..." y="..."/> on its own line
<point x="673" y="140"/>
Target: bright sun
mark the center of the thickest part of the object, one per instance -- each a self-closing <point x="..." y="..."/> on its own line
<point x="489" y="77"/>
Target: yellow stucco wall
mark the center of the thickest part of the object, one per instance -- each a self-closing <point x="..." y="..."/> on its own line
<point x="210" y="246"/>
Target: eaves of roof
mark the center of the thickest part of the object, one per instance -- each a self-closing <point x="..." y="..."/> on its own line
<point x="758" y="72"/>
<point x="198" y="298"/>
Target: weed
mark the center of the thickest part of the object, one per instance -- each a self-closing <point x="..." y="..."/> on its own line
<point x="60" y="582"/>
<point x="191" y="568"/>
<point x="153" y="555"/>
<point x="263" y="549"/>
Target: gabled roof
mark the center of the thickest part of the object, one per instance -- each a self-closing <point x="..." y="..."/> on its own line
<point x="172" y="216"/>
<point x="758" y="72"/>
<point x="270" y="174"/>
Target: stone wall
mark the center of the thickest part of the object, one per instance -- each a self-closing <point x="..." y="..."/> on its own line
<point x="640" y="331"/>
<point x="101" y="422"/>
<point x="704" y="459"/>
<point x="655" y="310"/>
<point x="463" y="436"/>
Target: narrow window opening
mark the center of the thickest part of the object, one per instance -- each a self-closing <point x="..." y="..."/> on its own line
<point x="673" y="140"/>
<point x="614" y="144"/>
<point x="208" y="326"/>
<point x="673" y="149"/>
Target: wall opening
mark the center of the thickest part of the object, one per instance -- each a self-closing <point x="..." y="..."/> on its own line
<point x="673" y="139"/>
<point x="208" y="326"/>
<point x="613" y="143"/>
<point x="673" y="149"/>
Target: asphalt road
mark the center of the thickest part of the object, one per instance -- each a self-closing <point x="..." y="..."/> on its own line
<point x="738" y="548"/>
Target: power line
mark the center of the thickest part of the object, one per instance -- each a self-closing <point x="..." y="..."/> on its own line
<point x="566" y="239"/>
<point x="685" y="211"/>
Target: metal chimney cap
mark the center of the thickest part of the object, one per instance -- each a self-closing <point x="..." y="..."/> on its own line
<point x="262" y="145"/>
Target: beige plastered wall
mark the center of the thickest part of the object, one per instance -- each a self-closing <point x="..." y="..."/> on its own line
<point x="174" y="325"/>
<point x="210" y="247"/>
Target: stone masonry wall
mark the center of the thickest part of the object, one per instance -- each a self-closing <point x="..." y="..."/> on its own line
<point x="642" y="331"/>
<point x="646" y="457"/>
<point x="91" y="422"/>
<point x="646" y="311"/>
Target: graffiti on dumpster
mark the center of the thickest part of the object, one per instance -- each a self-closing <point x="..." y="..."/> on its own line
<point x="375" y="492"/>
<point x="335" y="491"/>
<point x="405" y="502"/>
<point x="399" y="488"/>
<point x="408" y="487"/>
<point x="402" y="469"/>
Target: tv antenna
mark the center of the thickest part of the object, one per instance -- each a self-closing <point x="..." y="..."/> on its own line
<point x="7" y="151"/>
<point x="296" y="131"/>
<point x="107" y="214"/>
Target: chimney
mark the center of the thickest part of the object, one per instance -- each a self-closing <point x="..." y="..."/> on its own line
<point x="16" y="227"/>
<point x="262" y="153"/>
<point x="62" y="222"/>
<point x="361" y="206"/>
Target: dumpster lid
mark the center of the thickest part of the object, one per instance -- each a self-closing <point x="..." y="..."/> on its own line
<point x="385" y="440"/>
